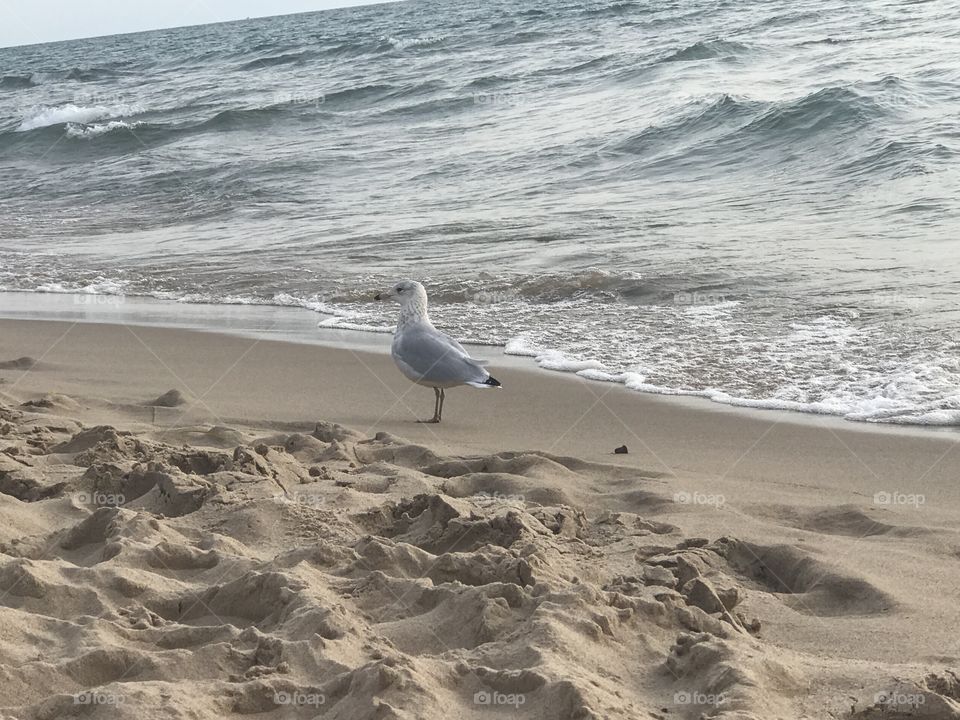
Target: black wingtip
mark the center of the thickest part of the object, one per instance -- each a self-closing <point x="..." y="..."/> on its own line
<point x="492" y="382"/>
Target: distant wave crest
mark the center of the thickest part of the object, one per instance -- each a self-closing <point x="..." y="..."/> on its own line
<point x="44" y="116"/>
<point x="17" y="82"/>
<point x="707" y="49"/>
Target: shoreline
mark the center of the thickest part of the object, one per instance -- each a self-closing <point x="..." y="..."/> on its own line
<point x="238" y="377"/>
<point x="299" y="326"/>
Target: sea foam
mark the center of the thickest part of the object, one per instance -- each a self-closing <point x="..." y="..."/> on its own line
<point x="44" y="116"/>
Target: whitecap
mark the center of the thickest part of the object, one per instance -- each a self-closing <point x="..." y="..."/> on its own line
<point x="44" y="116"/>
<point x="78" y="130"/>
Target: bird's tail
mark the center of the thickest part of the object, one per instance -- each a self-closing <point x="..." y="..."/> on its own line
<point x="490" y="382"/>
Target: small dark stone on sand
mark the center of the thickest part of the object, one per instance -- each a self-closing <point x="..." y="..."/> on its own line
<point x="171" y="398"/>
<point x="622" y="450"/>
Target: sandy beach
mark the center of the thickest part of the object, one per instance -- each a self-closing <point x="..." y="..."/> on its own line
<point x="587" y="360"/>
<point x="278" y="537"/>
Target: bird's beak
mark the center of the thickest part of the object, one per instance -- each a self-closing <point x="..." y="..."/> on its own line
<point x="383" y="295"/>
<point x="377" y="297"/>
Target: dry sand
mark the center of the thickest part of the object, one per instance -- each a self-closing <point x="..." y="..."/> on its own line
<point x="278" y="538"/>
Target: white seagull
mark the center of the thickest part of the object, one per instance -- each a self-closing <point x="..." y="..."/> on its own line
<point x="426" y="355"/>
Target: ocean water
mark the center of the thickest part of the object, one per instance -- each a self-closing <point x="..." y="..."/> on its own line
<point x="753" y="201"/>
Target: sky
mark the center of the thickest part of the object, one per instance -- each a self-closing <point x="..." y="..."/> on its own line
<point x="25" y="22"/>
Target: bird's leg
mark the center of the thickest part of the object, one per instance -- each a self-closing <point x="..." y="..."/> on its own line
<point x="437" y="402"/>
<point x="440" y="409"/>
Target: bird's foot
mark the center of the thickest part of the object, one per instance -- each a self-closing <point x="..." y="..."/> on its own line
<point x="430" y="421"/>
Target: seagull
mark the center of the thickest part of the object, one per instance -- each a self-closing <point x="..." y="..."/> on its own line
<point x="426" y="355"/>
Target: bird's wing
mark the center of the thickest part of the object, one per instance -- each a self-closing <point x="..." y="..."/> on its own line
<point x="446" y="338"/>
<point x="435" y="357"/>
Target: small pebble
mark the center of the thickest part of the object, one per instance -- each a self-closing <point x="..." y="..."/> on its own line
<point x="622" y="450"/>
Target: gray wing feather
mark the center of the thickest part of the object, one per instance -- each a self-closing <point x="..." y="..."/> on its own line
<point x="444" y="338"/>
<point x="436" y="357"/>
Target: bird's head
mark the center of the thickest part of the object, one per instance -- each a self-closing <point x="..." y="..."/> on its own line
<point x="404" y="292"/>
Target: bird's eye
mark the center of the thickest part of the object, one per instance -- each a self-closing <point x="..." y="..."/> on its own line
<point x="399" y="289"/>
